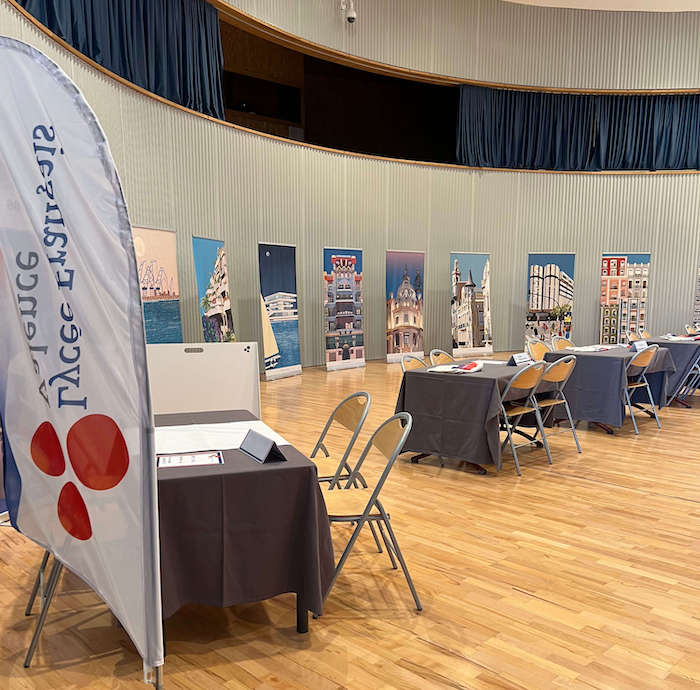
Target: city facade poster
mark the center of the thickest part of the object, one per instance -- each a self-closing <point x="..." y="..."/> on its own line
<point x="470" y="304"/>
<point x="279" y="310"/>
<point x="696" y="310"/>
<point x="211" y="271"/>
<point x="624" y="286"/>
<point x="405" y="272"/>
<point x="156" y="259"/>
<point x="343" y="312"/>
<point x="550" y="296"/>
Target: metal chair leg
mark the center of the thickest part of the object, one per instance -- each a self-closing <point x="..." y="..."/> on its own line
<point x="50" y="591"/>
<point x="376" y="538"/>
<point x="653" y="406"/>
<point x="387" y="544"/>
<point x="540" y="426"/>
<point x="38" y="584"/>
<point x="345" y="555"/>
<point x="573" y="428"/>
<point x="629" y="405"/>
<point x="404" y="567"/>
<point x="512" y="446"/>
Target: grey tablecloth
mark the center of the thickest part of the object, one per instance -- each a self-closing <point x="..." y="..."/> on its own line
<point x="455" y="415"/>
<point x="595" y="390"/>
<point x="241" y="531"/>
<point x="685" y="353"/>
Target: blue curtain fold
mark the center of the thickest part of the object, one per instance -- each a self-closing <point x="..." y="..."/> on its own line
<point x="169" y="47"/>
<point x="500" y="128"/>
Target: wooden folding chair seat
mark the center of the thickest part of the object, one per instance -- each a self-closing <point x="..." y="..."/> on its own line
<point x="440" y="357"/>
<point x="559" y="342"/>
<point x="537" y="350"/>
<point x="554" y="378"/>
<point x="409" y="362"/>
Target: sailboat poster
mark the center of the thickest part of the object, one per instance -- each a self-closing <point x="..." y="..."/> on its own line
<point x="279" y="310"/>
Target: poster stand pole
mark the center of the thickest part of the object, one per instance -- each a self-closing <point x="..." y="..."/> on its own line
<point x="38" y="585"/>
<point x="50" y="591"/>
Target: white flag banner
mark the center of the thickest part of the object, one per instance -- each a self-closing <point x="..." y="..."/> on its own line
<point x="79" y="468"/>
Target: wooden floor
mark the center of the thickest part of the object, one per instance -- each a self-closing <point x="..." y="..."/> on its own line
<point x="584" y="574"/>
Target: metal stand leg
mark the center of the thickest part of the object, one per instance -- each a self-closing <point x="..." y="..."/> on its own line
<point x="420" y="456"/>
<point x="158" y="682"/>
<point x="302" y="617"/>
<point x="50" y="590"/>
<point x="38" y="584"/>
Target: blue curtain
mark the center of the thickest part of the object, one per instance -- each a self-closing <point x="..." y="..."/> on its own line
<point x="500" y="128"/>
<point x="169" y="47"/>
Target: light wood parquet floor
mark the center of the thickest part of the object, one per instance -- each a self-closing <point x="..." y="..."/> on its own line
<point x="584" y="574"/>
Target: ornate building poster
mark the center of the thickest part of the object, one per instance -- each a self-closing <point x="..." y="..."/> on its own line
<point x="213" y="290"/>
<point x="404" y="303"/>
<point x="156" y="259"/>
<point x="343" y="312"/>
<point x="624" y="286"/>
<point x="550" y="296"/>
<point x="279" y="311"/>
<point x="470" y="304"/>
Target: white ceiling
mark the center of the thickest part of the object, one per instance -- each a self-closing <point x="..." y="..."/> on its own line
<point x="625" y="5"/>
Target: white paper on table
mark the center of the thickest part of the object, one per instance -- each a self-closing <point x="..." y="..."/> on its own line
<point x="190" y="460"/>
<point x="190" y="438"/>
<point x="443" y="367"/>
<point x="491" y="361"/>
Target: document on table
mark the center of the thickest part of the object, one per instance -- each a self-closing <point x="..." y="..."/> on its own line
<point x="190" y="438"/>
<point x="190" y="460"/>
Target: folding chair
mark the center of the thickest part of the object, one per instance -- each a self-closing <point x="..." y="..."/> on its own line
<point x="409" y="362"/>
<point x="642" y="360"/>
<point x="690" y="330"/>
<point x="632" y="337"/>
<point x="440" y="357"/>
<point x="362" y="505"/>
<point x="559" y="342"/>
<point x="558" y="373"/>
<point x="646" y="335"/>
<point x="537" y="349"/>
<point x="350" y="414"/>
<point x="525" y="383"/>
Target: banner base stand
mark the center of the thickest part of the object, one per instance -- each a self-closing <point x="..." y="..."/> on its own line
<point x="396" y="356"/>
<point x="459" y="352"/>
<point x="283" y="373"/>
<point x="345" y="364"/>
<point x="46" y="603"/>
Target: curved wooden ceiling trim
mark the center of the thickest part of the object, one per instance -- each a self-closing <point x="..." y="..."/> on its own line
<point x="125" y="82"/>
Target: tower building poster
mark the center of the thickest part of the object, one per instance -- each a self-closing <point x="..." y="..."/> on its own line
<point x="550" y="296"/>
<point x="404" y="303"/>
<point x="624" y="286"/>
<point x="470" y="304"/>
<point x="343" y="313"/>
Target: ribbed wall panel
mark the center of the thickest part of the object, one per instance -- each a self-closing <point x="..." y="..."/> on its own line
<point x="195" y="177"/>
<point x="492" y="40"/>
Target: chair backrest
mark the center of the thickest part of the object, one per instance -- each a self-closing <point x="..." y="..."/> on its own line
<point x="525" y="380"/>
<point x="350" y="414"/>
<point x="537" y="350"/>
<point x="558" y="372"/>
<point x="646" y="335"/>
<point x="559" y="342"/>
<point x="440" y="357"/>
<point x="642" y="359"/>
<point x="409" y="362"/>
<point x="690" y="330"/>
<point x="632" y="336"/>
<point x="388" y="439"/>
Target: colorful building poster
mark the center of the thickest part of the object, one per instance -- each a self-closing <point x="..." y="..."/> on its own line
<point x="343" y="311"/>
<point x="470" y="306"/>
<point x="624" y="286"/>
<point x="279" y="310"/>
<point x="550" y="296"/>
<point x="696" y="311"/>
<point x="156" y="258"/>
<point x="213" y="289"/>
<point x="404" y="303"/>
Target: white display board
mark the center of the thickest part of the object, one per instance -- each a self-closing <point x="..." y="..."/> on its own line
<point x="204" y="377"/>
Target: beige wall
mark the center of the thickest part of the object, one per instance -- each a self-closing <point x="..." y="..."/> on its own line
<point x="197" y="177"/>
<point x="497" y="41"/>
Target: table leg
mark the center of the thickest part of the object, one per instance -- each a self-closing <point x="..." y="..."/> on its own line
<point x="302" y="617"/>
<point x="607" y="429"/>
<point x="420" y="456"/>
<point x="680" y="402"/>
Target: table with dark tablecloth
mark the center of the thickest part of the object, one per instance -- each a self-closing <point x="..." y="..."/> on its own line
<point x="242" y="531"/>
<point x="595" y="390"/>
<point x="685" y="353"/>
<point x="456" y="415"/>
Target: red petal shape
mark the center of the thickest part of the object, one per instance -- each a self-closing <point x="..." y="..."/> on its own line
<point x="98" y="452"/>
<point x="73" y="513"/>
<point x="46" y="450"/>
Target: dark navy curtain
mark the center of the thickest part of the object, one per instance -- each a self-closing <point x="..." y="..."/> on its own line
<point x="169" y="47"/>
<point x="500" y="128"/>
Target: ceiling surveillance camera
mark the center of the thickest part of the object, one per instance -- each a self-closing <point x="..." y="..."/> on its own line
<point x="348" y="6"/>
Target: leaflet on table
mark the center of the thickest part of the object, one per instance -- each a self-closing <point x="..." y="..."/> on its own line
<point x="190" y="438"/>
<point x="190" y="460"/>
